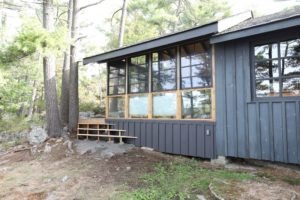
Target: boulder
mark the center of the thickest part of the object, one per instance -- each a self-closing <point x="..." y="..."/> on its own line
<point x="37" y="135"/>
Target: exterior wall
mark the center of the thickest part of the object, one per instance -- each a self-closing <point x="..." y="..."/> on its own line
<point x="190" y="138"/>
<point x="247" y="127"/>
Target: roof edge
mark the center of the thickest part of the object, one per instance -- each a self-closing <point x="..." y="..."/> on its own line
<point x="199" y="31"/>
<point x="284" y="23"/>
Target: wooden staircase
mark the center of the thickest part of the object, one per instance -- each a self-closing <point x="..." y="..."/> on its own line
<point x="98" y="129"/>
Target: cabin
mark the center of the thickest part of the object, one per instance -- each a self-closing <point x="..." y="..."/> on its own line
<point x="228" y="88"/>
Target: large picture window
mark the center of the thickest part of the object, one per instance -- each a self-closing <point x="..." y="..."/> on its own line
<point x="116" y="77"/>
<point x="116" y="107"/>
<point x="196" y="104"/>
<point x="181" y="84"/>
<point x="164" y="105"/>
<point x="277" y="69"/>
<point x="164" y="70"/>
<point x="138" y="74"/>
<point x="195" y="65"/>
<point x="138" y="106"/>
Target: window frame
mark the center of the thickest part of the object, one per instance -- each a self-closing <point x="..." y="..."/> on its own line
<point x="147" y="76"/>
<point x="108" y="78"/>
<point x="273" y="39"/>
<point x="175" y="68"/>
<point x="191" y="66"/>
<point x="177" y="90"/>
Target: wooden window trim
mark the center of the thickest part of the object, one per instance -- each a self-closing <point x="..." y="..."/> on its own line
<point x="262" y="42"/>
<point x="178" y="91"/>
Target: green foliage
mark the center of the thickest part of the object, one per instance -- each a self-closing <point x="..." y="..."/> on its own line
<point x="152" y="18"/>
<point x="180" y="180"/>
<point x="92" y="89"/>
<point x="33" y="38"/>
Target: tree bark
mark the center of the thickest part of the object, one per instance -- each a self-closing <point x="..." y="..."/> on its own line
<point x="65" y="87"/>
<point x="73" y="93"/>
<point x="33" y="97"/>
<point x="122" y="24"/>
<point x="54" y="128"/>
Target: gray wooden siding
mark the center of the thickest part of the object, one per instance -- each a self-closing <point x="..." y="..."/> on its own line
<point x="181" y="137"/>
<point x="266" y="130"/>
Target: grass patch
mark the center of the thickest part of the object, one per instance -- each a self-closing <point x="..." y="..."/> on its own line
<point x="180" y="180"/>
<point x="292" y="181"/>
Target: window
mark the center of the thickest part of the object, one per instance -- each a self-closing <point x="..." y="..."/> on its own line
<point x="277" y="69"/>
<point x="164" y="70"/>
<point x="138" y="106"/>
<point x="138" y="74"/>
<point x="195" y="65"/>
<point x="196" y="104"/>
<point x="163" y="98"/>
<point x="117" y="77"/>
<point x="164" y="105"/>
<point x="116" y="107"/>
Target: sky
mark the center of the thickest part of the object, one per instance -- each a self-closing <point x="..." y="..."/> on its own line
<point x="97" y="16"/>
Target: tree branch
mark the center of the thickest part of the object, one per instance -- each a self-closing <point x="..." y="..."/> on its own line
<point x="112" y="17"/>
<point x="81" y="37"/>
<point x="89" y="5"/>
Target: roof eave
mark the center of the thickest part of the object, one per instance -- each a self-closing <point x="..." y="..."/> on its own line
<point x="256" y="30"/>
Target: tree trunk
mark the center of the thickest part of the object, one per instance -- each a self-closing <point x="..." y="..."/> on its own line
<point x="33" y="97"/>
<point x="52" y="114"/>
<point x="73" y="95"/>
<point x="122" y="24"/>
<point x="64" y="99"/>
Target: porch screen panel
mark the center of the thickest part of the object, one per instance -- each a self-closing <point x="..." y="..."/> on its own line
<point x="116" y="107"/>
<point x="116" y="77"/>
<point x="138" y="74"/>
<point x="195" y="65"/>
<point x="164" y="70"/>
<point x="196" y="80"/>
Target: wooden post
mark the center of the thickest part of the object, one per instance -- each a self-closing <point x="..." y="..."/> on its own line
<point x="106" y="107"/>
<point x="126" y="106"/>
<point x="178" y="93"/>
<point x="150" y="107"/>
<point x="213" y="89"/>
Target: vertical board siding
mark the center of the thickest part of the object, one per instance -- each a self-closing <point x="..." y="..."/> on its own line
<point x="221" y="132"/>
<point x="192" y="140"/>
<point x="230" y="99"/>
<point x="240" y="102"/>
<point x="264" y="129"/>
<point x="278" y="136"/>
<point x="252" y="131"/>
<point x="291" y="131"/>
<point x="181" y="137"/>
<point x="184" y="139"/>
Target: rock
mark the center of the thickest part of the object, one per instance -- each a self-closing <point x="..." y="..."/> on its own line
<point x="220" y="160"/>
<point x="48" y="148"/>
<point x="85" y="115"/>
<point x="99" y="116"/>
<point x="201" y="197"/>
<point x="69" y="145"/>
<point x="147" y="148"/>
<point x="107" y="154"/>
<point x="65" y="129"/>
<point x="128" y="168"/>
<point x="37" y="135"/>
<point x="65" y="178"/>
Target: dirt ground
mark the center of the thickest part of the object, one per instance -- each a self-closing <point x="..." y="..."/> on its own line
<point x="37" y="173"/>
